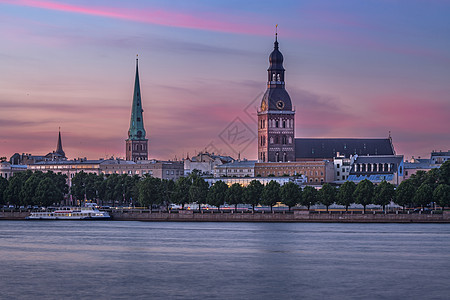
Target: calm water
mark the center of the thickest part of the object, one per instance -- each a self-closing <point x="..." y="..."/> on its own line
<point x="139" y="260"/>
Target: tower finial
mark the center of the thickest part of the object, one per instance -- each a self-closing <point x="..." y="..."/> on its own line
<point x="276" y="32"/>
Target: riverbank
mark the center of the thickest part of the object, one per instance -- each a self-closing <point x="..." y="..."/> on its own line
<point x="278" y="216"/>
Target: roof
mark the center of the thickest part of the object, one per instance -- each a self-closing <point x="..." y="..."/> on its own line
<point x="329" y="147"/>
<point x="421" y="163"/>
<point x="395" y="161"/>
<point x="379" y="159"/>
<point x="373" y="178"/>
<point x="440" y="153"/>
<point x="239" y="164"/>
<point x="273" y="95"/>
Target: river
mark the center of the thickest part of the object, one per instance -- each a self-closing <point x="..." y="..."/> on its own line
<point x="162" y="260"/>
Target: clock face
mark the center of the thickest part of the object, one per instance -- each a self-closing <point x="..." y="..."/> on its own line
<point x="280" y="104"/>
<point x="263" y="105"/>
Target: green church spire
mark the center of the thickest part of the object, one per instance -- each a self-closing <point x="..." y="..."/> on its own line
<point x="137" y="130"/>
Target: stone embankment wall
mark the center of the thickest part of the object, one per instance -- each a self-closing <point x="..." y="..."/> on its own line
<point x="13" y="215"/>
<point x="296" y="216"/>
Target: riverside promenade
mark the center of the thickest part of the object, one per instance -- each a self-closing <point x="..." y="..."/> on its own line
<point x="260" y="216"/>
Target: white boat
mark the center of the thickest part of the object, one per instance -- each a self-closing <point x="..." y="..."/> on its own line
<point x="90" y="212"/>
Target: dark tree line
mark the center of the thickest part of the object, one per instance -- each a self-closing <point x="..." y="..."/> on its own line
<point x="44" y="189"/>
<point x="420" y="190"/>
<point x="38" y="188"/>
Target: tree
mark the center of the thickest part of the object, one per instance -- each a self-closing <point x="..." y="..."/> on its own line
<point x="78" y="188"/>
<point x="384" y="193"/>
<point x="60" y="181"/>
<point x="217" y="194"/>
<point x="130" y="188"/>
<point x="423" y="195"/>
<point x="28" y="192"/>
<point x="290" y="194"/>
<point x="149" y="191"/>
<point x="234" y="195"/>
<point x="181" y="194"/>
<point x="271" y="194"/>
<point x="432" y="178"/>
<point x="418" y="178"/>
<point x="115" y="189"/>
<point x="444" y="173"/>
<point x="441" y="195"/>
<point x="404" y="193"/>
<point x="3" y="187"/>
<point x="100" y="187"/>
<point x="253" y="192"/>
<point x="48" y="193"/>
<point x="167" y="192"/>
<point x="364" y="193"/>
<point x="198" y="191"/>
<point x="309" y="196"/>
<point x="345" y="194"/>
<point x="327" y="195"/>
<point x="16" y="182"/>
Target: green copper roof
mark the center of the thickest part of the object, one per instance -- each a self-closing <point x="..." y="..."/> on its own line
<point x="137" y="130"/>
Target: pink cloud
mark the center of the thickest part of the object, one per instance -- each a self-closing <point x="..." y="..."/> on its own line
<point x="201" y="21"/>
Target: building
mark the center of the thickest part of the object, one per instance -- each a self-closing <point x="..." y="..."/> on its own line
<point x="136" y="144"/>
<point x="342" y="166"/>
<point x="7" y="170"/>
<point x="205" y="162"/>
<point x="242" y="168"/>
<point x="276" y="127"/>
<point x="419" y="164"/>
<point x="317" y="172"/>
<point x="160" y="169"/>
<point x="244" y="181"/>
<point x="328" y="148"/>
<point x="276" y="116"/>
<point x="378" y="168"/>
<point x="26" y="158"/>
<point x="439" y="157"/>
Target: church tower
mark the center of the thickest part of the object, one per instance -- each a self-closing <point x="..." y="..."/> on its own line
<point x="59" y="148"/>
<point x="276" y="116"/>
<point x="136" y="144"/>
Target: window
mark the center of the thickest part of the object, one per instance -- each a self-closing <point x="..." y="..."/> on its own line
<point x="338" y="166"/>
<point x="338" y="173"/>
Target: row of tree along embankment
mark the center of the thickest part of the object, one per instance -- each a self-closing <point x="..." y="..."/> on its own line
<point x="280" y="216"/>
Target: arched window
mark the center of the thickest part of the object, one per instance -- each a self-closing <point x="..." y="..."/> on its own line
<point x="284" y="124"/>
<point x="276" y="123"/>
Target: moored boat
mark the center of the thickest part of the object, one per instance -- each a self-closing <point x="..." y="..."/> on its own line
<point x="70" y="213"/>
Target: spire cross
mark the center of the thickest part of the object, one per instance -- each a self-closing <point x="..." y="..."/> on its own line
<point x="276" y="31"/>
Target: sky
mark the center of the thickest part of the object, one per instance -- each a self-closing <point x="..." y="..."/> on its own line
<point x="353" y="69"/>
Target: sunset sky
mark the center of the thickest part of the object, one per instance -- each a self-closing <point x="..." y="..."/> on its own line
<point x="353" y="69"/>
